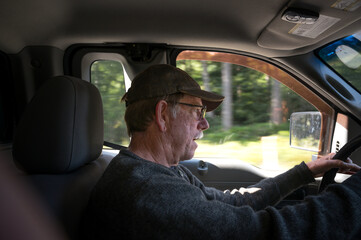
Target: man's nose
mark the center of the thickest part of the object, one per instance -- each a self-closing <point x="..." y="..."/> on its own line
<point x="203" y="124"/>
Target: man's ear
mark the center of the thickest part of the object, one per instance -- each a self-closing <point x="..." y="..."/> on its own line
<point x="161" y="115"/>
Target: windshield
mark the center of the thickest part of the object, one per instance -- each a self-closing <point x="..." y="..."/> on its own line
<point x="344" y="56"/>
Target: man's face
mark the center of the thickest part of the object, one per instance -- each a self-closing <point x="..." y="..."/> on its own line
<point x="186" y="128"/>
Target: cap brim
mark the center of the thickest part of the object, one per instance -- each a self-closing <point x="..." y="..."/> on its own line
<point x="209" y="99"/>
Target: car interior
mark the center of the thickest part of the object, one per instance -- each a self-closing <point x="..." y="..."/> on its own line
<point x="58" y="116"/>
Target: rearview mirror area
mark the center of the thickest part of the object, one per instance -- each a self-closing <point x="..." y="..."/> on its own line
<point x="305" y="129"/>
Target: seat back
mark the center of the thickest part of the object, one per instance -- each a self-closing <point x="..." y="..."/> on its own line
<point x="58" y="143"/>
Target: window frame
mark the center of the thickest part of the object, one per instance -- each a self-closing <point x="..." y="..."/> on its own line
<point x="327" y="112"/>
<point x="89" y="58"/>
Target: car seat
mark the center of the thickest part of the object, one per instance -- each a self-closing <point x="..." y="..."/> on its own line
<point x="58" y="143"/>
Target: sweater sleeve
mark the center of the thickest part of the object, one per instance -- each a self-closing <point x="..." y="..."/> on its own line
<point x="199" y="218"/>
<point x="267" y="192"/>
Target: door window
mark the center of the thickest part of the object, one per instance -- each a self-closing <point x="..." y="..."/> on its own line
<point x="252" y="124"/>
<point x="108" y="77"/>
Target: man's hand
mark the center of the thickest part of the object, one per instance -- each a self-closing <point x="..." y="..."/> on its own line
<point x="325" y="163"/>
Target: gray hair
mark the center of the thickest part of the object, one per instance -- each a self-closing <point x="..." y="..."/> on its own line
<point x="138" y="115"/>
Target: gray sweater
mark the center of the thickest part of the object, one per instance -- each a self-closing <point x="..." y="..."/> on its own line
<point x="138" y="199"/>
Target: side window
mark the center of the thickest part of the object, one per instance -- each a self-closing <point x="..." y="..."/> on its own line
<point x="252" y="123"/>
<point x="108" y="77"/>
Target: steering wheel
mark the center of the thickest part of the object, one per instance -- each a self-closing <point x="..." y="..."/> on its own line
<point x="342" y="154"/>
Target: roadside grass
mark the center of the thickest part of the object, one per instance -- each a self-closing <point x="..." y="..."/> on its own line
<point x="271" y="151"/>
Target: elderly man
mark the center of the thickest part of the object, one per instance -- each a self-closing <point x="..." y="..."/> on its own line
<point x="145" y="194"/>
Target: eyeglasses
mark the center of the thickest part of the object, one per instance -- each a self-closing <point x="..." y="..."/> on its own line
<point x="203" y="109"/>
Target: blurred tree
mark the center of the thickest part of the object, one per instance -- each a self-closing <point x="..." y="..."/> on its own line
<point x="276" y="107"/>
<point x="251" y="96"/>
<point x="227" y="113"/>
<point x="206" y="81"/>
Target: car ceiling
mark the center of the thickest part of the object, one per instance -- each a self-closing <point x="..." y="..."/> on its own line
<point x="242" y="25"/>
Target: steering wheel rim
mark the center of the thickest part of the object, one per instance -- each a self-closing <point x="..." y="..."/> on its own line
<point x="342" y="154"/>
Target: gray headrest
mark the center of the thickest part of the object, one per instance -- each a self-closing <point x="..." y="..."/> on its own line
<point x="61" y="128"/>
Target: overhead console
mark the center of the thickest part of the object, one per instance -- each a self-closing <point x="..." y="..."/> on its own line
<point x="301" y="23"/>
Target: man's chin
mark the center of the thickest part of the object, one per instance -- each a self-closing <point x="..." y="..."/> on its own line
<point x="190" y="153"/>
<point x="188" y="156"/>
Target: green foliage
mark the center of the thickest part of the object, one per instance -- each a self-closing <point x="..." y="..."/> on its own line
<point x="251" y="96"/>
<point x="108" y="77"/>
<point x="244" y="134"/>
<point x="251" y="92"/>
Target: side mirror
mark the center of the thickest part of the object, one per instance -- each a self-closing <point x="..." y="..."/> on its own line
<point x="305" y="129"/>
